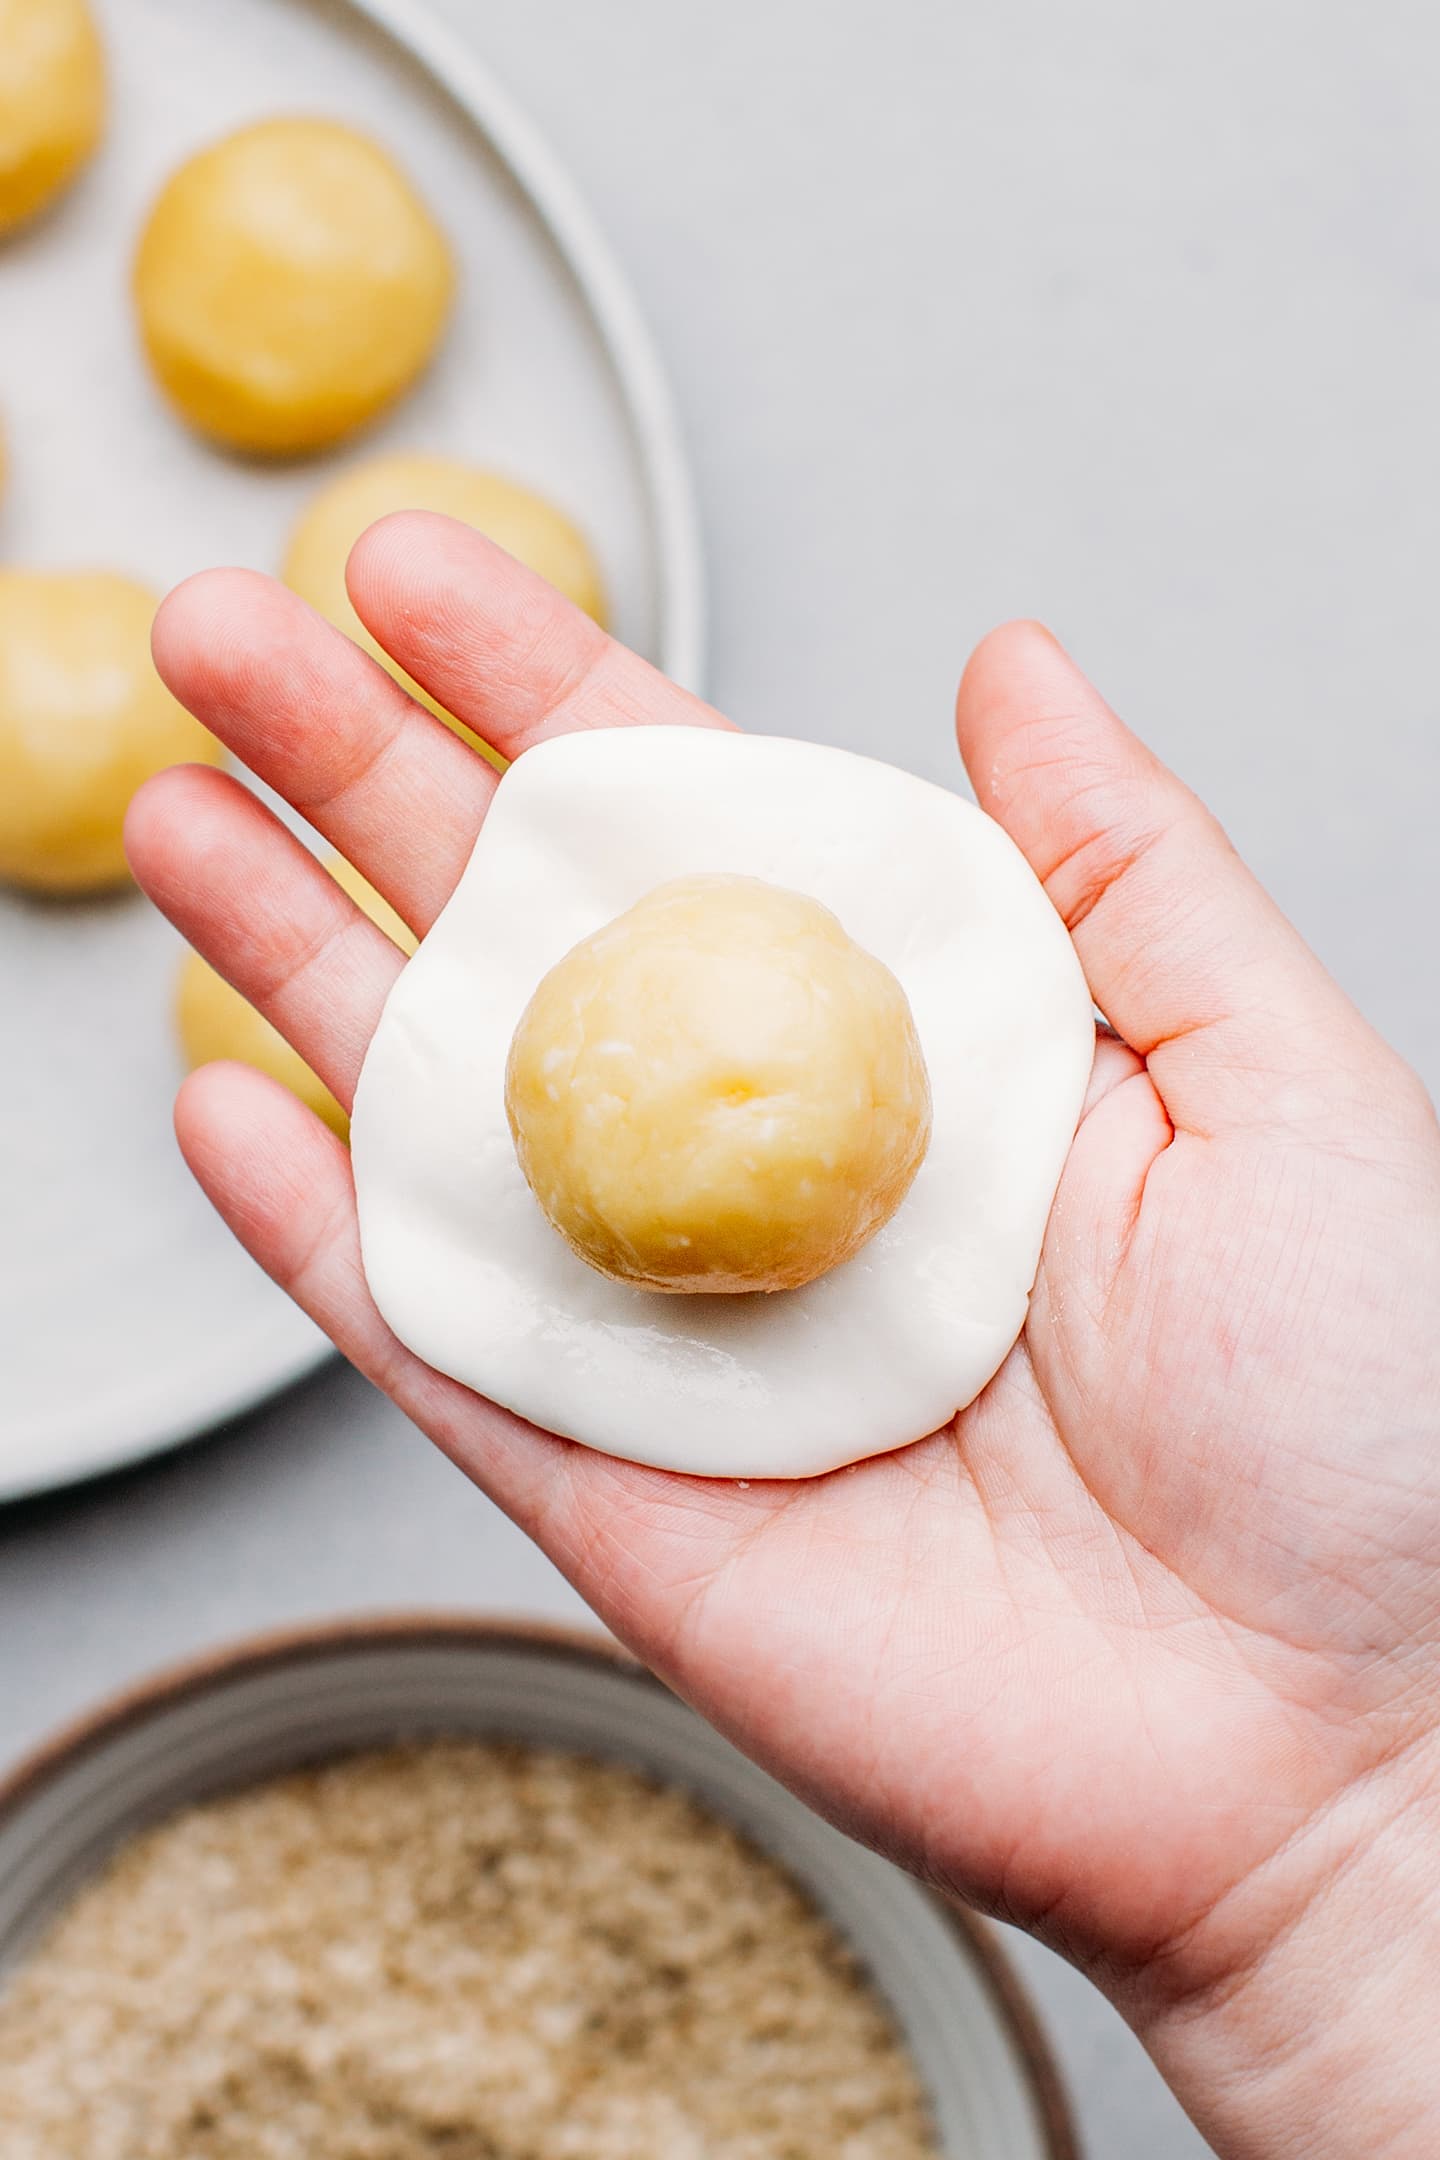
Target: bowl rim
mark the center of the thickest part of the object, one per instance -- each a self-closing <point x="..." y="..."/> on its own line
<point x="185" y="1679"/>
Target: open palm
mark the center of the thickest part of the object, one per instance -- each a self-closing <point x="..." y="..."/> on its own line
<point x="1114" y="1652"/>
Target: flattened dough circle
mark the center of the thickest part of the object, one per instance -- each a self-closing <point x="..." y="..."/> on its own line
<point x="464" y="1266"/>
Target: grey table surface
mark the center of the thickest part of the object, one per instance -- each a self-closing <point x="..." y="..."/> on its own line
<point x="1120" y="315"/>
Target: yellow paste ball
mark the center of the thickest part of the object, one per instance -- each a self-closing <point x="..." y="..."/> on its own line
<point x="524" y="524"/>
<point x="290" y="283"/>
<point x="719" y="1091"/>
<point x="214" y="1021"/>
<point x="84" y="718"/>
<point x="52" y="101"/>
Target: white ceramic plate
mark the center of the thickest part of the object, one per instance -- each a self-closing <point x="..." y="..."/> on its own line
<point x="128" y="1317"/>
<point x="266" y="1708"/>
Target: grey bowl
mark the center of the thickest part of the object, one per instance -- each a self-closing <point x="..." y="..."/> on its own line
<point x="270" y="1705"/>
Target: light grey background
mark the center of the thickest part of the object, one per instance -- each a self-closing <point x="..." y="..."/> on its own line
<point x="1120" y="314"/>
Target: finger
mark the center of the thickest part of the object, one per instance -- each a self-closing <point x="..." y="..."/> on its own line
<point x="497" y="646"/>
<point x="1188" y="958"/>
<point x="258" y="906"/>
<point x="396" y="791"/>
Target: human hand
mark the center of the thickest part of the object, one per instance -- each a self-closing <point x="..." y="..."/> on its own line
<point x="1143" y="1650"/>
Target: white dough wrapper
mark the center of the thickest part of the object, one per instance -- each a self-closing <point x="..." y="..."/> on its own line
<point x="466" y="1269"/>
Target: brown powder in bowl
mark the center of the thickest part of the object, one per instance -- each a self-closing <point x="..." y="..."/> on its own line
<point x="450" y="1952"/>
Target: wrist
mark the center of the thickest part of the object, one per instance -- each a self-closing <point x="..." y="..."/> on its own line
<point x="1297" y="2019"/>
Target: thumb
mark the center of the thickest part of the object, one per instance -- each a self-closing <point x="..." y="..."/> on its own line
<point x="1186" y="955"/>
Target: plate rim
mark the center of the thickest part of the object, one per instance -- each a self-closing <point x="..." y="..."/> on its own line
<point x="642" y="385"/>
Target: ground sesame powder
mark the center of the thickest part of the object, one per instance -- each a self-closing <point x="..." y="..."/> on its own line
<point x="459" y="1951"/>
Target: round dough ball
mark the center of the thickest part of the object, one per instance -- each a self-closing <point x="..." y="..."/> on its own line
<point x="719" y="1091"/>
<point x="214" y="1021"/>
<point x="525" y="525"/>
<point x="84" y="718"/>
<point x="52" y="100"/>
<point x="290" y="283"/>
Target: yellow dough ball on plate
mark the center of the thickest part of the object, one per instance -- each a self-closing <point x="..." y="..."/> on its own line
<point x="524" y="524"/>
<point x="84" y="718"/>
<point x="214" y="1021"/>
<point x="52" y="100"/>
<point x="719" y="1091"/>
<point x="290" y="283"/>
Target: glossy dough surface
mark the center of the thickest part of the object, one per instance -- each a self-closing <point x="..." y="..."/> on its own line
<point x="719" y="1092"/>
<point x="52" y="101"/>
<point x="84" y="718"/>
<point x="875" y="1354"/>
<point x="289" y="284"/>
